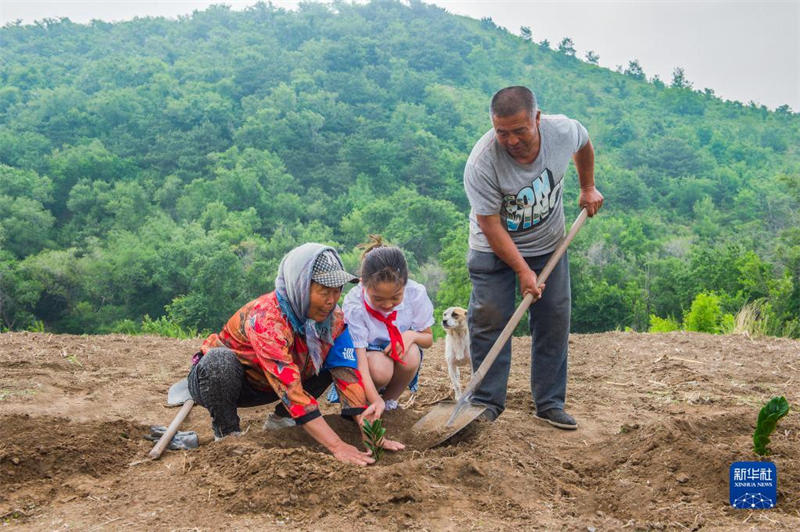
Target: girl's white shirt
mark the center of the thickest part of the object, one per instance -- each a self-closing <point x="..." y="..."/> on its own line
<point x="414" y="313"/>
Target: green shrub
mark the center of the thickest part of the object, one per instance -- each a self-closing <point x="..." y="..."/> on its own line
<point x="663" y="324"/>
<point x="791" y="329"/>
<point x="706" y="315"/>
<point x="728" y="323"/>
<point x="165" y="327"/>
<point x="36" y="326"/>
<point x="126" y="326"/>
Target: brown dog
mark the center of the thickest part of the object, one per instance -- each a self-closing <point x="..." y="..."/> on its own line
<point x="456" y="344"/>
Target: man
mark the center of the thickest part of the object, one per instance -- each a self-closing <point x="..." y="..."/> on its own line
<point x="514" y="180"/>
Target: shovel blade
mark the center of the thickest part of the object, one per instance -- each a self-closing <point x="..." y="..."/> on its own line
<point x="436" y="421"/>
<point x="178" y="393"/>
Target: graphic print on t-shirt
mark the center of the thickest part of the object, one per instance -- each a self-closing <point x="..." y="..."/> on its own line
<point x="532" y="205"/>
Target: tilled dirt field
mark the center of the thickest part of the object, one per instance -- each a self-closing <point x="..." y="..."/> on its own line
<point x="661" y="418"/>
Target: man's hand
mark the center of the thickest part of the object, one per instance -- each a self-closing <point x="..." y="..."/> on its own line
<point x="527" y="284"/>
<point x="591" y="200"/>
<point x="344" y="452"/>
<point x="502" y="245"/>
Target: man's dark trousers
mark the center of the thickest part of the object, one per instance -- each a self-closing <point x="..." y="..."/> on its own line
<point x="491" y="305"/>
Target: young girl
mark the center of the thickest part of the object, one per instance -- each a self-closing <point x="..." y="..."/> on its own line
<point x="389" y="317"/>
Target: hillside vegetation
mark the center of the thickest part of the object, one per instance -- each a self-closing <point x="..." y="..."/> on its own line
<point x="158" y="169"/>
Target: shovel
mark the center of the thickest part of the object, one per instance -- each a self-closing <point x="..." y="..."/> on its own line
<point x="448" y="417"/>
<point x="178" y="394"/>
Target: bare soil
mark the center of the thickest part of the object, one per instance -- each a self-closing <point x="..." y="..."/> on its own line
<point x="661" y="416"/>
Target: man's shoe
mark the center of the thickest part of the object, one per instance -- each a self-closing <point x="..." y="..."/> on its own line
<point x="488" y="415"/>
<point x="558" y="418"/>
<point x="275" y="422"/>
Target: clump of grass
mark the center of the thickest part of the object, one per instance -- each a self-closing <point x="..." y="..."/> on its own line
<point x="768" y="417"/>
<point x="36" y="326"/>
<point x="374" y="432"/>
<point x="752" y="320"/>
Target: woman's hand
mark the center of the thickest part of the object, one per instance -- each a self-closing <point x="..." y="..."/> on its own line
<point x="391" y="445"/>
<point x="318" y="429"/>
<point x="348" y="454"/>
<point x="374" y="411"/>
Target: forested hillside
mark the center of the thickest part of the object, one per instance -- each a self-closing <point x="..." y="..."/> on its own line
<point x="161" y="168"/>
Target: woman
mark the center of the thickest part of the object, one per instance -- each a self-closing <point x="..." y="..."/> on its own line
<point x="287" y="345"/>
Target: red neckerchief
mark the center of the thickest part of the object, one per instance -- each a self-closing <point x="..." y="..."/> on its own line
<point x="395" y="338"/>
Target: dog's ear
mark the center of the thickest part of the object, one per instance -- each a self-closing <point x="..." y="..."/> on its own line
<point x="460" y="312"/>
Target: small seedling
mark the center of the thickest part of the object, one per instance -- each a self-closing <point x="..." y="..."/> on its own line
<point x="776" y="408"/>
<point x="374" y="432"/>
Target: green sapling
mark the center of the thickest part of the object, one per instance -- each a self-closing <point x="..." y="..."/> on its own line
<point x="374" y="433"/>
<point x="776" y="408"/>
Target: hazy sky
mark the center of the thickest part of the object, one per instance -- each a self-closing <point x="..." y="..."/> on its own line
<point x="743" y="50"/>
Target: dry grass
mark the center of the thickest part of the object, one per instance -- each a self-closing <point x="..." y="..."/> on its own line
<point x="751" y="320"/>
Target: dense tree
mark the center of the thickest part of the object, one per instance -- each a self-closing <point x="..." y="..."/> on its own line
<point x="634" y="70"/>
<point x="679" y="80"/>
<point x="162" y="168"/>
<point x="567" y="47"/>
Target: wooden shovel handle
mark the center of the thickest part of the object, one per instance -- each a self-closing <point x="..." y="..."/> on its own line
<point x="480" y="373"/>
<point x="162" y="443"/>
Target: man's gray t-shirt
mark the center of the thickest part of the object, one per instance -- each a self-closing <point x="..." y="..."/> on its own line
<point x="528" y="197"/>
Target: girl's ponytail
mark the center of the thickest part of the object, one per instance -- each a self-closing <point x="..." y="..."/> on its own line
<point x="382" y="263"/>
